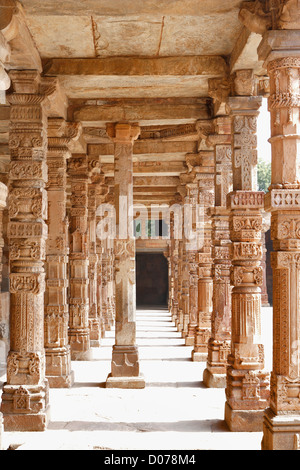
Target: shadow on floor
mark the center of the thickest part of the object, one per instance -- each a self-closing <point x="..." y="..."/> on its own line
<point x="210" y="425"/>
<point x="148" y="385"/>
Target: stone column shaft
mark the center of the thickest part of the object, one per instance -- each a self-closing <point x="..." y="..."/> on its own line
<point x="205" y="177"/>
<point x="220" y="341"/>
<point x="58" y="356"/>
<point x="281" y="52"/>
<point x="94" y="315"/>
<point x="193" y="196"/>
<point x="25" y="401"/>
<point x="79" y="332"/>
<point x="247" y="389"/>
<point x="3" y="202"/>
<point x="125" y="372"/>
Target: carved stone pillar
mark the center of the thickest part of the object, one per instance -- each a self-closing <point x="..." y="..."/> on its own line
<point x="79" y="332"/>
<point x="3" y="201"/>
<point x="101" y="193"/>
<point x="106" y="288"/>
<point x="57" y="349"/>
<point x="179" y="321"/>
<point x="220" y="341"/>
<point x="111" y="285"/>
<point x="264" y="287"/>
<point x="94" y="315"/>
<point x="125" y="371"/>
<point x="281" y="52"/>
<point x="25" y="403"/>
<point x="191" y="253"/>
<point x="205" y="177"/>
<point x="247" y="390"/>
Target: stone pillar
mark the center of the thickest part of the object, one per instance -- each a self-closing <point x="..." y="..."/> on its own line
<point x="281" y="52"/>
<point x="3" y="201"/>
<point x="25" y="398"/>
<point x="191" y="257"/>
<point x="101" y="193"/>
<point x="179" y="322"/>
<point x="183" y="316"/>
<point x="205" y="177"/>
<point x="125" y="371"/>
<point x="57" y="349"/>
<point x="105" y="285"/>
<point x="247" y="389"/>
<point x="264" y="287"/>
<point x="79" y="332"/>
<point x="94" y="315"/>
<point x="220" y="342"/>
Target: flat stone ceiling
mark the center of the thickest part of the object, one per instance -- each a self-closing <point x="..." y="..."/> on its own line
<point x="76" y="29"/>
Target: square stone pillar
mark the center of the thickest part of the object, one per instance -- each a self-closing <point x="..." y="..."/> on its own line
<point x="25" y="398"/>
<point x="281" y="52"/>
<point x="125" y="372"/>
<point x="101" y="194"/>
<point x="205" y="178"/>
<point x="179" y="320"/>
<point x="58" y="356"/>
<point x="3" y="202"/>
<point x="247" y="387"/>
<point x="94" y="316"/>
<point x="79" y="332"/>
<point x="220" y="341"/>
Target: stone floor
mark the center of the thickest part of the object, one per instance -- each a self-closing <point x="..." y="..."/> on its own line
<point x="175" y="411"/>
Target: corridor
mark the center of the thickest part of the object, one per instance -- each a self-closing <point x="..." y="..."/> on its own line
<point x="174" y="412"/>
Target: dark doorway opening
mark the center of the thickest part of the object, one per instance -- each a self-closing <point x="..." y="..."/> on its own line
<point x="151" y="279"/>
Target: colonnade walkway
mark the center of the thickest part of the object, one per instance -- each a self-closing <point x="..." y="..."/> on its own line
<point x="175" y="411"/>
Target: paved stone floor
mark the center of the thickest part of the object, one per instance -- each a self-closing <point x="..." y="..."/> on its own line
<point x="175" y="411"/>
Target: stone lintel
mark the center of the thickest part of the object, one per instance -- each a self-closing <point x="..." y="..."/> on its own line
<point x="145" y="148"/>
<point x="145" y="111"/>
<point x="137" y="66"/>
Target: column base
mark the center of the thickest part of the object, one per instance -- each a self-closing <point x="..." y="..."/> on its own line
<point x="126" y="382"/>
<point x="244" y="420"/>
<point x="281" y="432"/>
<point x="27" y="423"/>
<point x="66" y="381"/>
<point x="214" y="380"/>
<point x="189" y="340"/>
<point x="199" y="356"/>
<point x="25" y="408"/>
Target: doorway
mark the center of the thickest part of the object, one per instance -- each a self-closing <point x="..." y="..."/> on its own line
<point x="152" y="284"/>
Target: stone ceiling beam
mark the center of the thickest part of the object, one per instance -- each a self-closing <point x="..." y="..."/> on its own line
<point x="147" y="148"/>
<point x="135" y="66"/>
<point x="244" y="55"/>
<point x="151" y="181"/>
<point x="145" y="111"/>
<point x="150" y="169"/>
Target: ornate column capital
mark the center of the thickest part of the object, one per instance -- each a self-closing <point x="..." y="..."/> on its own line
<point x="123" y="132"/>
